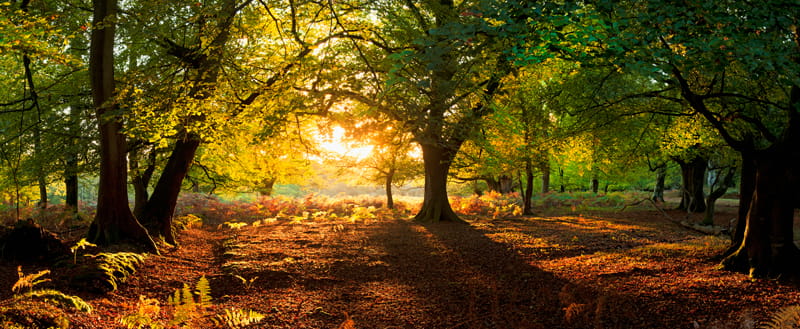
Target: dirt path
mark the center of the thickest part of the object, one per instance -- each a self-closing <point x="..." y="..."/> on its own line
<point x="612" y="270"/>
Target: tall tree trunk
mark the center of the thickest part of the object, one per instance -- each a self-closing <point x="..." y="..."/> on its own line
<point x="527" y="207"/>
<point x="595" y="185"/>
<point x="41" y="179"/>
<point x="71" y="162"/>
<point x="506" y="184"/>
<point x="693" y="179"/>
<point x="157" y="213"/>
<point x="435" y="205"/>
<point x="767" y="245"/>
<point x="747" y="187"/>
<point x="113" y="221"/>
<point x="561" y="180"/>
<point x="658" y="190"/>
<point x="545" y="178"/>
<point x="389" y="197"/>
<point x="37" y="129"/>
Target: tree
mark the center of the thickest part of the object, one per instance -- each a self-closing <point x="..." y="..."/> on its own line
<point x="197" y="101"/>
<point x="735" y="64"/>
<point x="390" y="161"/>
<point x="433" y="67"/>
<point x="113" y="220"/>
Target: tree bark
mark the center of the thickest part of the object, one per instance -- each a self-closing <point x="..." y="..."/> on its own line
<point x="767" y="246"/>
<point x="527" y="207"/>
<point x="747" y="187"/>
<point x="658" y="191"/>
<point x="71" y="162"/>
<point x="492" y="184"/>
<point x="435" y="205"/>
<point x="595" y="185"/>
<point x="506" y="184"/>
<point x="157" y="213"/>
<point x="113" y="221"/>
<point x="561" y="180"/>
<point x="267" y="188"/>
<point x="693" y="180"/>
<point x="545" y="178"/>
<point x="389" y="197"/>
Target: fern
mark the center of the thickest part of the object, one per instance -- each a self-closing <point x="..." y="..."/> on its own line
<point x="187" y="307"/>
<point x="203" y="290"/>
<point x="112" y="268"/>
<point x="786" y="317"/>
<point x="146" y="315"/>
<point x="59" y="298"/>
<point x="82" y="244"/>
<point x="55" y="297"/>
<point x="28" y="280"/>
<point x="236" y="318"/>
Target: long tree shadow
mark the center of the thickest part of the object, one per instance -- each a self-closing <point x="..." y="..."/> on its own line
<point x="454" y="276"/>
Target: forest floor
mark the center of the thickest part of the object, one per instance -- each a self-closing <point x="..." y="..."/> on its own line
<point x="606" y="269"/>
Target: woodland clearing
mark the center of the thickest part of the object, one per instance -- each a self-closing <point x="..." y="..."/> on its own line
<point x="561" y="269"/>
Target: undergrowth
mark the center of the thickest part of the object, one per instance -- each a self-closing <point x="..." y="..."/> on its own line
<point x="105" y="271"/>
<point x="786" y="317"/>
<point x="33" y="307"/>
<point x="193" y="208"/>
<point x="187" y="308"/>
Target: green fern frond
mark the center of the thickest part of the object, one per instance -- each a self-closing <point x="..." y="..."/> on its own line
<point x="28" y="280"/>
<point x="113" y="268"/>
<point x="786" y="317"/>
<point x="203" y="290"/>
<point x="238" y="318"/>
<point x="58" y="298"/>
<point x="187" y="298"/>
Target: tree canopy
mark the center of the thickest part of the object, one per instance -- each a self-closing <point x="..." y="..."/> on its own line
<point x="211" y="95"/>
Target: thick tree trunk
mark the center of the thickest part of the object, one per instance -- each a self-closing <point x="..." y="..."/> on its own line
<point x="658" y="190"/>
<point x="527" y="207"/>
<point x="747" y="188"/>
<point x="506" y="184"/>
<point x="492" y="184"/>
<point x="435" y="204"/>
<point x="595" y="185"/>
<point x="265" y="189"/>
<point x="767" y="246"/>
<point x="157" y="214"/>
<point x="389" y="197"/>
<point x="71" y="183"/>
<point x="113" y="221"/>
<point x="693" y="179"/>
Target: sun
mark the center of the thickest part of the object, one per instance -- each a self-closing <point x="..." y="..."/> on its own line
<point x="335" y="145"/>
